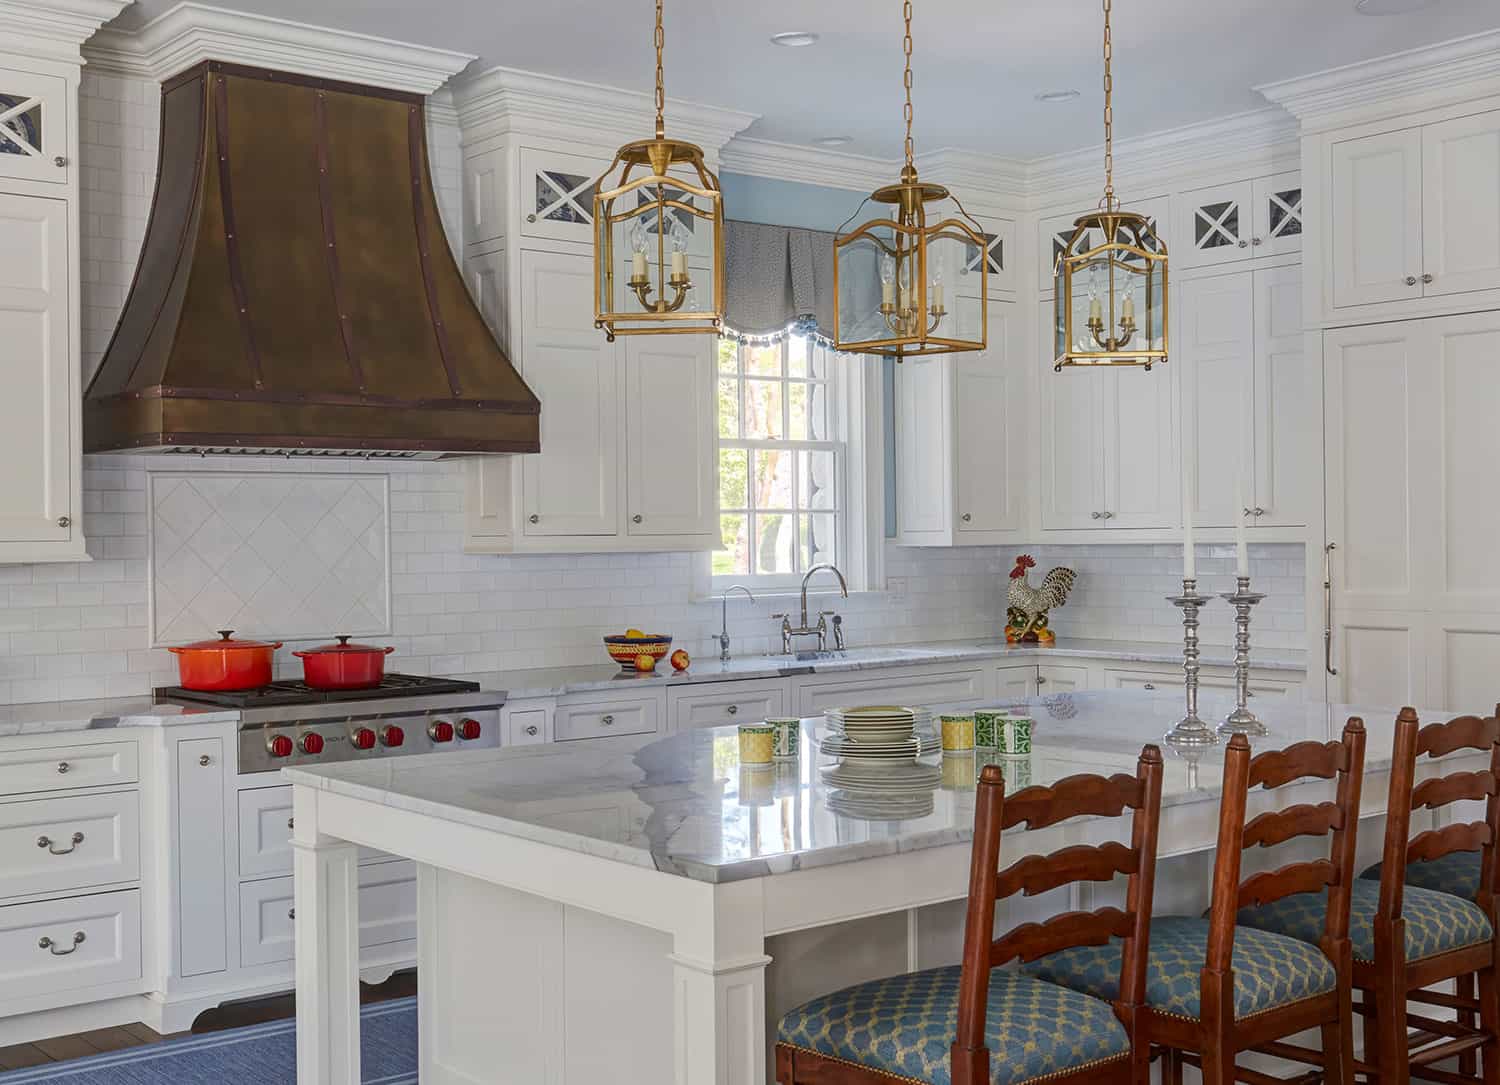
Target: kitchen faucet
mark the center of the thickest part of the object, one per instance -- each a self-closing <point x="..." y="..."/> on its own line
<point x="724" y="615"/>
<point x="821" y="629"/>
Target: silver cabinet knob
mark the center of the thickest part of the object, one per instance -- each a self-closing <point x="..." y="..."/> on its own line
<point x="637" y="518"/>
<point x="1411" y="280"/>
<point x="1244" y="244"/>
<point x="1259" y="511"/>
<point x="59" y="161"/>
<point x="1255" y="241"/>
<point x="733" y="710"/>
<point x="291" y="823"/>
<point x="530" y="218"/>
<point x="1249" y="512"/>
<point x="966" y="518"/>
<point x="1041" y="681"/>
<point x="1149" y="685"/>
<point x="291" y="913"/>
<point x="531" y="730"/>
<point x="1108" y="515"/>
<point x="1427" y="278"/>
<point x="63" y="766"/>
<point x="205" y="760"/>
<point x="606" y="720"/>
<point x="534" y="518"/>
<point x="64" y="521"/>
<point x="1096" y="516"/>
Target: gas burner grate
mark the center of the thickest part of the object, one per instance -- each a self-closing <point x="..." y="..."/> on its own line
<point x="294" y="691"/>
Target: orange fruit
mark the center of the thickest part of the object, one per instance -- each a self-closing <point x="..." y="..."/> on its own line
<point x="645" y="663"/>
<point x="681" y="660"/>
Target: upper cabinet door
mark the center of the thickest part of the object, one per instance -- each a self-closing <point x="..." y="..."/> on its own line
<point x="571" y="486"/>
<point x="998" y="259"/>
<point x="1461" y="205"/>
<point x="1278" y="220"/>
<point x="1285" y="395"/>
<point x="1217" y="225"/>
<point x="1070" y="442"/>
<point x="1141" y="477"/>
<point x="36" y="411"/>
<point x="989" y="406"/>
<point x="924" y="444"/>
<point x="669" y="435"/>
<point x="1217" y="354"/>
<point x="1376" y="198"/>
<point x="557" y="195"/>
<point x="34" y="127"/>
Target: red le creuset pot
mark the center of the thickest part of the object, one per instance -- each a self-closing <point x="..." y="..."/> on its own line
<point x="225" y="664"/>
<point x="343" y="665"/>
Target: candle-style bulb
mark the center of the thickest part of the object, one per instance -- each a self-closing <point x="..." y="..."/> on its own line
<point x="887" y="269"/>
<point x="638" y="238"/>
<point x="678" y="236"/>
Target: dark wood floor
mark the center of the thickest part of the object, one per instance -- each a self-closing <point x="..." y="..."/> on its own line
<point x="233" y="1015"/>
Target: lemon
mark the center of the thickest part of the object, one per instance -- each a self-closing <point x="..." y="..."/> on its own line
<point x="635" y="634"/>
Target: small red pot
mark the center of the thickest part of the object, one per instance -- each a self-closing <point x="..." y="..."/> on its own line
<point x="343" y="665"/>
<point x="226" y="664"/>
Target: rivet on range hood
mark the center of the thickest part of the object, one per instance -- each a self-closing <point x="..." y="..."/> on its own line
<point x="295" y="291"/>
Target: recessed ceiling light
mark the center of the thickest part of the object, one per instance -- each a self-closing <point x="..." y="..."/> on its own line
<point x="833" y="141"/>
<point x="1057" y="95"/>
<point x="794" y="39"/>
<point x="1391" y="7"/>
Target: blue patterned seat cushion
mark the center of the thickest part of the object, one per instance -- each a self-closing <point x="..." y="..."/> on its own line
<point x="1270" y="970"/>
<point x="1435" y="922"/>
<point x="1456" y="873"/>
<point x="904" y="1026"/>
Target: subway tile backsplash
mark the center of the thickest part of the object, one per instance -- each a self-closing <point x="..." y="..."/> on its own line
<point x="85" y="630"/>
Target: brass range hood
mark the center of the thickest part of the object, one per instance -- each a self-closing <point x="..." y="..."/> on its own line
<point x="295" y="291"/>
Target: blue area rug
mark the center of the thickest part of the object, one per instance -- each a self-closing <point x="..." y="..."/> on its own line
<point x="257" y="1055"/>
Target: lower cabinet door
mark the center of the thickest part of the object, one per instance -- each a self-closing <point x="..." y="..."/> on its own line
<point x="958" y="688"/>
<point x="60" y="945"/>
<point x="199" y="908"/>
<point x="732" y="702"/>
<point x="1058" y="678"/>
<point x="387" y="912"/>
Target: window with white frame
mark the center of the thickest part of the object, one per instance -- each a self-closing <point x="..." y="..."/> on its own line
<point x="783" y="459"/>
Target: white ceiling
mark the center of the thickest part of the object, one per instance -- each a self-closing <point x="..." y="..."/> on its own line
<point x="978" y="63"/>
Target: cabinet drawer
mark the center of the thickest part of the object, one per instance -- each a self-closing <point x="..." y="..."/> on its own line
<point x="54" y="844"/>
<point x="736" y="702"/>
<point x="55" y="768"/>
<point x="930" y="690"/>
<point x="109" y="950"/>
<point x="387" y="912"/>
<point x="1145" y="680"/>
<point x="601" y="719"/>
<point x="266" y="833"/>
<point x="525" y="726"/>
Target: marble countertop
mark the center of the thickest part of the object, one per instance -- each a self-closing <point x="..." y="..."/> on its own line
<point x="685" y="806"/>
<point x="56" y="717"/>
<point x="558" y="681"/>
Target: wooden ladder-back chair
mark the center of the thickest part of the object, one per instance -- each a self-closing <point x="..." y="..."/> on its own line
<point x="1216" y="987"/>
<point x="978" y="1023"/>
<point x="1425" y="936"/>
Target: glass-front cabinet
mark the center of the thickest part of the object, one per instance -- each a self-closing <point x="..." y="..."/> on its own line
<point x="33" y="127"/>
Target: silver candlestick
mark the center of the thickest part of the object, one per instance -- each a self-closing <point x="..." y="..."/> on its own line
<point x="1242" y="720"/>
<point x="1190" y="730"/>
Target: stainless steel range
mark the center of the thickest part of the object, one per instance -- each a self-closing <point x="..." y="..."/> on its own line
<point x="290" y="723"/>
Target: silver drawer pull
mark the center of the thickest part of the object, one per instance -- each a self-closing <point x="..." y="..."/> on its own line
<point x="63" y="766"/>
<point x="733" y="709"/>
<point x="531" y="729"/>
<point x="1149" y="685"/>
<point x="48" y="944"/>
<point x="606" y="720"/>
<point x="51" y="845"/>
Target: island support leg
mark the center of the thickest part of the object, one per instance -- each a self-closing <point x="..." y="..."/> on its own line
<point x="719" y="991"/>
<point x="326" y="921"/>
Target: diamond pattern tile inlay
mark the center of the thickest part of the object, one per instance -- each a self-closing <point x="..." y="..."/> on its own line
<point x="287" y="556"/>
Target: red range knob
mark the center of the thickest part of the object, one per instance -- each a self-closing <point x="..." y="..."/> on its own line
<point x="279" y="746"/>
<point x="393" y="736"/>
<point x="440" y="731"/>
<point x="362" y="739"/>
<point x="468" y="730"/>
<point x="311" y="742"/>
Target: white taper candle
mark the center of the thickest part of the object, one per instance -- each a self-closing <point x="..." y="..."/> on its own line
<point x="1241" y="540"/>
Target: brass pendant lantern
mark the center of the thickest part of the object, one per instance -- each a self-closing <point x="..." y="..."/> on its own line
<point x="658" y="235"/>
<point x="889" y="273"/>
<point x="1110" y="305"/>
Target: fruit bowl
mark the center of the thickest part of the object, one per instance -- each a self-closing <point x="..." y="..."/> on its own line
<point x="624" y="649"/>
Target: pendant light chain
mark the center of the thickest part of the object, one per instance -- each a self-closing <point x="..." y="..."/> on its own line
<point x="1109" y="115"/>
<point x="906" y="45"/>
<point x="661" y="87"/>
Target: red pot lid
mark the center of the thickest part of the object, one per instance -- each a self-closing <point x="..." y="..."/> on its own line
<point x="227" y="639"/>
<point x="343" y="645"/>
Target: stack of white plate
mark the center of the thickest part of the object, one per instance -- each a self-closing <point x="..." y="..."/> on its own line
<point x="884" y="779"/>
<point x="913" y="746"/>
<point x="878" y="723"/>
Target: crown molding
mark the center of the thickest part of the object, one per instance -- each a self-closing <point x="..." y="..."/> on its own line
<point x="1260" y="141"/>
<point x="1405" y="82"/>
<point x="191" y="33"/>
<point x="506" y="101"/>
<point x="990" y="179"/>
<point x="803" y="165"/>
<point x="55" y="29"/>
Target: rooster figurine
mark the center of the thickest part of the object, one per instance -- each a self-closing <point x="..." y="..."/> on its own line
<point x="1027" y="607"/>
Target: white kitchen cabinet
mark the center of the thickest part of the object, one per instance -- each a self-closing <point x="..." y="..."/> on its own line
<point x="61" y="766"/>
<point x="1218" y="225"/>
<point x="1108" y="455"/>
<point x="197" y="913"/>
<point x="34" y="141"/>
<point x="671" y="436"/>
<point x="1409" y="442"/>
<point x="1244" y="399"/>
<point x="998" y="259"/>
<point x="1278" y="219"/>
<point x="484" y="195"/>
<point x="961" y="439"/>
<point x="932" y="687"/>
<point x="484" y="272"/>
<point x="61" y="843"/>
<point x="387" y="913"/>
<point x="606" y="716"/>
<point x="1062" y="678"/>
<point x="557" y="194"/>
<point x="1015" y="682"/>
<point x="66" y="945"/>
<point x="1217" y="681"/>
<point x="1461" y="205"/>
<point x="726" y="702"/>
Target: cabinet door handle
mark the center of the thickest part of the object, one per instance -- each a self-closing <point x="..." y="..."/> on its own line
<point x="291" y="913"/>
<point x="1149" y="685"/>
<point x="1108" y="515"/>
<point x="637" y="518"/>
<point x="48" y="944"/>
<point x="63" y="766"/>
<point x="205" y="760"/>
<point x="531" y="218"/>
<point x="1243" y="243"/>
<point x="1427" y="278"/>
<point x="606" y="720"/>
<point x="733" y="710"/>
<point x="1259" y="511"/>
<point x="48" y="843"/>
<point x="1255" y="241"/>
<point x="966" y="518"/>
<point x="1041" y="680"/>
<point x="1328" y="609"/>
<point x="1411" y="280"/>
<point x="60" y="161"/>
<point x="291" y="823"/>
<point x="531" y="729"/>
<point x="64" y="521"/>
<point x="1096" y="516"/>
<point x="534" y="518"/>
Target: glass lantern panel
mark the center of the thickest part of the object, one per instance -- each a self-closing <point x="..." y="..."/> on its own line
<point x="867" y="270"/>
<point x="654" y="239"/>
<point x="946" y="252"/>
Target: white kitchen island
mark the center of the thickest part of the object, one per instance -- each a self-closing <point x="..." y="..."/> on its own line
<point x="610" y="912"/>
